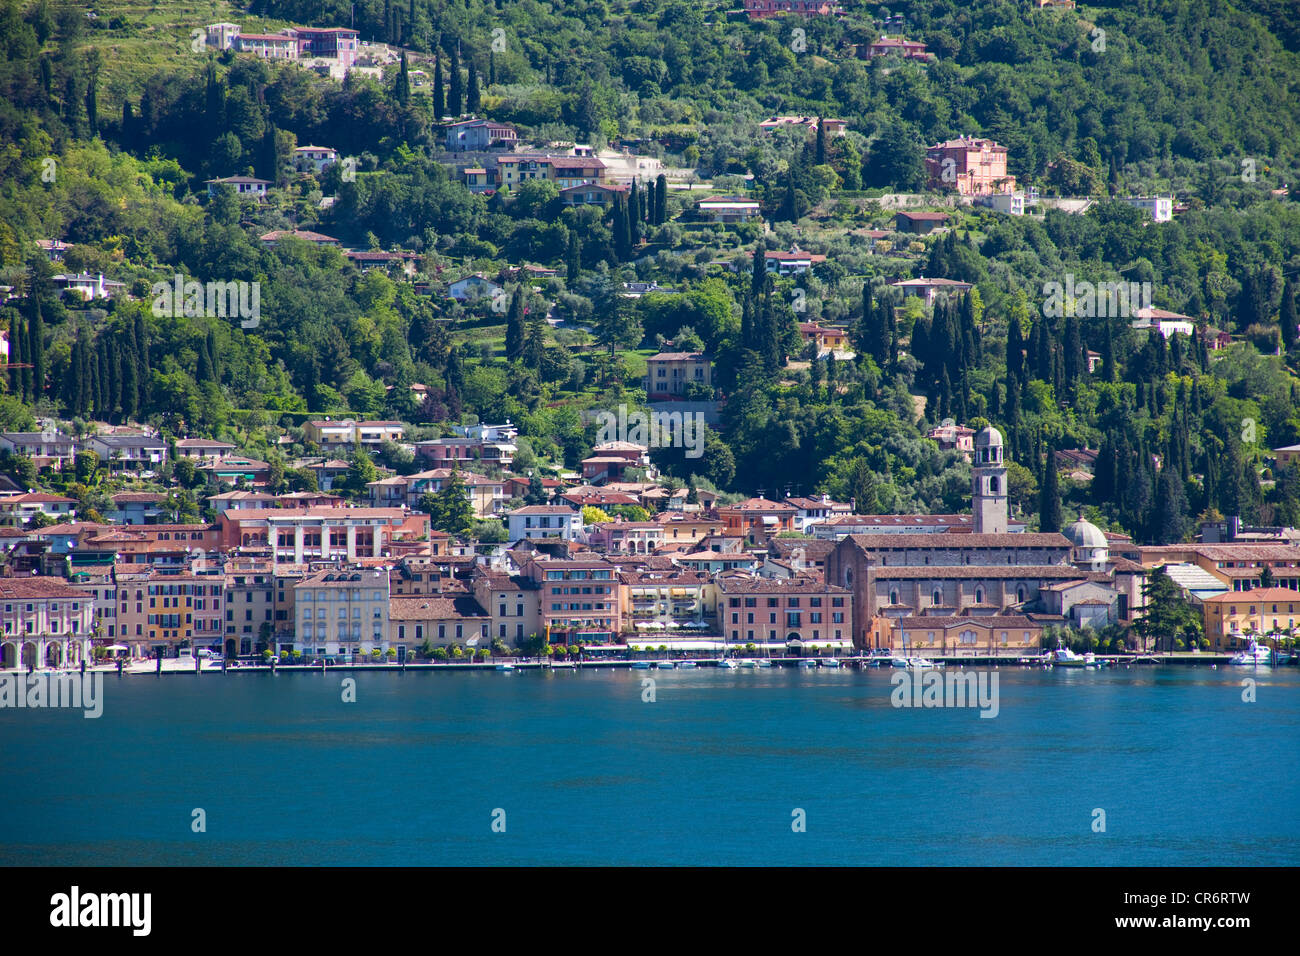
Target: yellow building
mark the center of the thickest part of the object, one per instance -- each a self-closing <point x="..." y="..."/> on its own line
<point x="1230" y="616"/>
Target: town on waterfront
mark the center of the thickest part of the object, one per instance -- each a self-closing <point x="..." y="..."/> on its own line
<point x="647" y="432"/>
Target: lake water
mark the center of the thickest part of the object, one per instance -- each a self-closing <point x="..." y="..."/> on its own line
<point x="580" y="770"/>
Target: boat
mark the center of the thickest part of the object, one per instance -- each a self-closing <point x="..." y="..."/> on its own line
<point x="831" y="662"/>
<point x="1255" y="654"/>
<point x="899" y="662"/>
<point x="640" y="665"/>
<point x="807" y="662"/>
<point x="747" y="662"/>
<point x="922" y="663"/>
<point x="505" y="667"/>
<point x="762" y="662"/>
<point x="686" y="665"/>
<point x="665" y="665"/>
<point x="727" y="663"/>
<point x="1064" y="657"/>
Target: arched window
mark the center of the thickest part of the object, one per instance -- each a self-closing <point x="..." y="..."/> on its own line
<point x="979" y="595"/>
<point x="993" y="486"/>
<point x="893" y="597"/>
<point x="937" y="597"/>
<point x="1020" y="595"/>
<point x="848" y="577"/>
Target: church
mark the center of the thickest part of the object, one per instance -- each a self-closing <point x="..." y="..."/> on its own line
<point x="1018" y="581"/>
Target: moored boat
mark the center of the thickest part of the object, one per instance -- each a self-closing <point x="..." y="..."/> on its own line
<point x="1255" y="654"/>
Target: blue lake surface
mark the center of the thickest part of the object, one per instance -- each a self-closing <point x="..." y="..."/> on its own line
<point x="711" y="772"/>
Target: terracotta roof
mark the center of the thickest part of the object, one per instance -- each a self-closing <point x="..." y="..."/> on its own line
<point x="949" y="540"/>
<point x="434" y="607"/>
<point x="37" y="588"/>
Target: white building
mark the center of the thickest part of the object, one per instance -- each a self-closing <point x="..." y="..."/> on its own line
<point x="314" y="158"/>
<point x="1009" y="204"/>
<point x="1167" y="323"/>
<point x="545" y="521"/>
<point x="1159" y="208"/>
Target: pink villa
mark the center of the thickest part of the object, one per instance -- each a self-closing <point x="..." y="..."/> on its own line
<point x="975" y="167"/>
<point x="766" y="9"/>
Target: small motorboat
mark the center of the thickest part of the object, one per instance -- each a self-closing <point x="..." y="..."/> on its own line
<point x="640" y="665"/>
<point x="831" y="662"/>
<point x="1064" y="657"/>
<point x="727" y="663"/>
<point x="505" y="667"/>
<point x="665" y="665"/>
<point x="762" y="662"/>
<point x="807" y="662"/>
<point x="686" y="665"/>
<point x="1255" y="654"/>
<point x="922" y="663"/>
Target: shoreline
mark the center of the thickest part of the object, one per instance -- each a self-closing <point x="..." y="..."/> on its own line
<point x="675" y="663"/>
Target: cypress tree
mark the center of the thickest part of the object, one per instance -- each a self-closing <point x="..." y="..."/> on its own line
<point x="473" y="102"/>
<point x="661" y="200"/>
<point x="1015" y="351"/>
<point x="789" y="202"/>
<point x="102" y="407"/>
<point x="573" y="257"/>
<point x="115" y="362"/>
<point x="36" y="350"/>
<point x="129" y="393"/>
<point x="1288" y="315"/>
<point x="455" y="90"/>
<point x="92" y="97"/>
<point x="203" y="368"/>
<point x="534" y="342"/>
<point x="214" y="354"/>
<point x="634" y="215"/>
<point x="758" y="278"/>
<point x="1049" y="500"/>
<point x="439" y="93"/>
<point x="1075" y="361"/>
<point x="747" y="322"/>
<point x="17" y="336"/>
<point x="515" y="324"/>
<point x="622" y="242"/>
<point x="402" y="89"/>
<point x="821" y="141"/>
<point x="770" y="338"/>
<point x="129" y="127"/>
<point x="893" y="332"/>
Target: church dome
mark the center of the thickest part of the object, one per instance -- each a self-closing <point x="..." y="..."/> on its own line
<point x="988" y="437"/>
<point x="1085" y="534"/>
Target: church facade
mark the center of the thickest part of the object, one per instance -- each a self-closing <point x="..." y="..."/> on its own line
<point x="986" y="573"/>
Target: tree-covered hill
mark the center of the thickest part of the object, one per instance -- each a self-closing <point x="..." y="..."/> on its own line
<point x="106" y="143"/>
